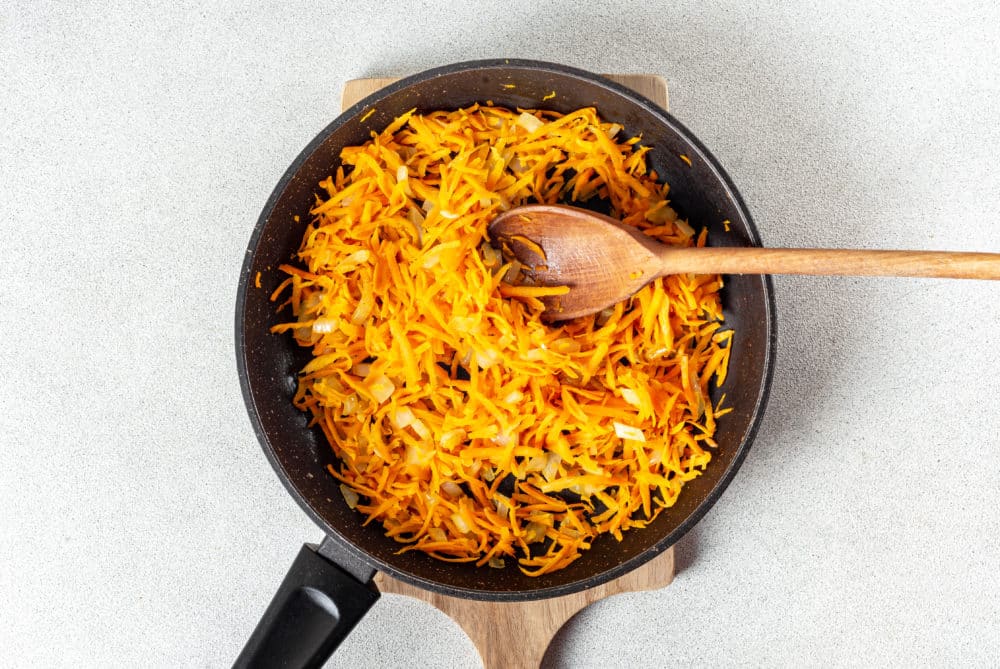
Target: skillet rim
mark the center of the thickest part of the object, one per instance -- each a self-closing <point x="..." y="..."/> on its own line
<point x="354" y="552"/>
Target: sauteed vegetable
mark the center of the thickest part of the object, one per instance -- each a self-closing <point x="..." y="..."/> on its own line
<point x="464" y="425"/>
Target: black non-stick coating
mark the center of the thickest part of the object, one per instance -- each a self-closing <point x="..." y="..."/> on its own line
<point x="268" y="363"/>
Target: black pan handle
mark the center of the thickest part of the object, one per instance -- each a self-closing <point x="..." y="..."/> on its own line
<point x="315" y="608"/>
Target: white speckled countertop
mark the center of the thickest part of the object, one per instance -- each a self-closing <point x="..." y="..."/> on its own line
<point x="141" y="524"/>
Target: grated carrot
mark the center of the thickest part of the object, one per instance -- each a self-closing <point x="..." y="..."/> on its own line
<point x="465" y="426"/>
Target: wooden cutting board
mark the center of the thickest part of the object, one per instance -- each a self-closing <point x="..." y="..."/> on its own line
<point x="515" y="635"/>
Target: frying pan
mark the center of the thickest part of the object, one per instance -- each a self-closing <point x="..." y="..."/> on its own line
<point x="329" y="587"/>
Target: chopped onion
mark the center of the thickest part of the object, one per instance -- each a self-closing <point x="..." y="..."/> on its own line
<point x="362" y="369"/>
<point x="502" y="439"/>
<point x="331" y="382"/>
<point x="514" y="397"/>
<point x="403" y="417"/>
<point x="513" y="276"/>
<point x="603" y="315"/>
<point x="496" y="563"/>
<point x="305" y="336"/>
<point x="432" y="256"/>
<point x="450" y="215"/>
<point x="350" y="406"/>
<point x="451" y="489"/>
<point x="381" y="388"/>
<point x="437" y="534"/>
<point x="572" y="531"/>
<point x="420" y="428"/>
<point x="310" y="305"/>
<point x="631" y="397"/>
<point x="659" y="213"/>
<point x="628" y="432"/>
<point x="535" y="532"/>
<point x="460" y="523"/>
<point x="491" y="257"/>
<point x="417" y="219"/>
<point x="402" y="174"/>
<point x="503" y="506"/>
<point x="353" y="260"/>
<point x="415" y="456"/>
<point x="452" y="438"/>
<point x="365" y="306"/>
<point x="488" y="358"/>
<point x="325" y="325"/>
<point x="586" y="490"/>
<point x="463" y="324"/>
<point x="350" y="496"/>
<point x="685" y="229"/>
<point x="566" y="345"/>
<point x="430" y="260"/>
<point x="613" y="130"/>
<point x="529" y="122"/>
<point x="536" y="464"/>
<point x="551" y="469"/>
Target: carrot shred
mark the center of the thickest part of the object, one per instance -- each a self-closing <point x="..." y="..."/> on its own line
<point x="508" y="290"/>
<point x="464" y="425"/>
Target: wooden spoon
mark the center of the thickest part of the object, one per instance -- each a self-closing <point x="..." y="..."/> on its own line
<point x="604" y="262"/>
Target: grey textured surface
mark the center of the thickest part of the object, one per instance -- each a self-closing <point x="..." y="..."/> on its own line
<point x="140" y="524"/>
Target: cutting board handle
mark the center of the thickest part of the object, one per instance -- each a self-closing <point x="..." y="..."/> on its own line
<point x="515" y="635"/>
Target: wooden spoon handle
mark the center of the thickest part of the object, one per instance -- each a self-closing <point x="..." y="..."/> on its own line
<point x="735" y="260"/>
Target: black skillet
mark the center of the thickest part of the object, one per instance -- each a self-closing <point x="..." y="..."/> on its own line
<point x="329" y="587"/>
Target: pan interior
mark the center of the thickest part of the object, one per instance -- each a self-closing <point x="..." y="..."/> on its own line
<point x="269" y="363"/>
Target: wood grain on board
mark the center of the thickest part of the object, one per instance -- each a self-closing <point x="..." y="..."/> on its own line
<point x="515" y="635"/>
